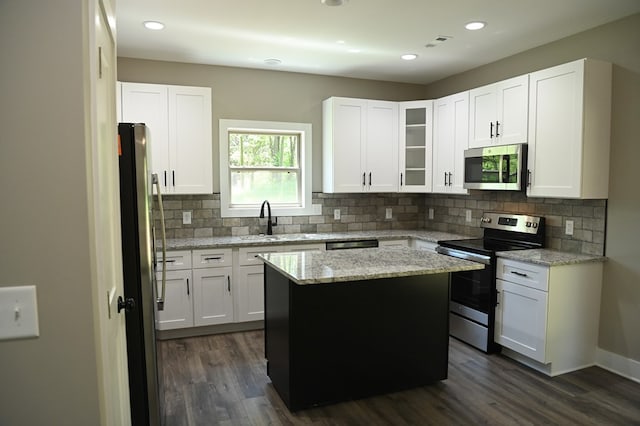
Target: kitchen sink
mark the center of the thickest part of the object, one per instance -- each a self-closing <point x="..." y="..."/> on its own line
<point x="260" y="237"/>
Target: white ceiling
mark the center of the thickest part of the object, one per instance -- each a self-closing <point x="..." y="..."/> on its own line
<point x="304" y="34"/>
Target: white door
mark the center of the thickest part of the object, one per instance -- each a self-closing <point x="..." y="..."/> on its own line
<point x="521" y="319"/>
<point x="513" y="104"/>
<point x="212" y="296"/>
<point x="178" y="306"/>
<point x="349" y="136"/>
<point x="382" y="146"/>
<point x="112" y="355"/>
<point x="443" y="131"/>
<point x="190" y="141"/>
<point x="148" y="104"/>
<point x="482" y="115"/>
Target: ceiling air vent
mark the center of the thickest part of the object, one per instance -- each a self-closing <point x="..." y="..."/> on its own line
<point x="436" y="41"/>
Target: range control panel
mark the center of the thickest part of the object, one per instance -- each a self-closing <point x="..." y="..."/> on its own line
<point x="512" y="222"/>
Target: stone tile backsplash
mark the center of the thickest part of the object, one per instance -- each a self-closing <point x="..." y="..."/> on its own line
<point x="358" y="212"/>
<point x="365" y="212"/>
<point x="589" y="216"/>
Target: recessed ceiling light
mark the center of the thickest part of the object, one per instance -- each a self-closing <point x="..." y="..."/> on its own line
<point x="409" y="56"/>
<point x="333" y="2"/>
<point x="153" y="25"/>
<point x="272" y="61"/>
<point x="355" y="50"/>
<point x="475" y="25"/>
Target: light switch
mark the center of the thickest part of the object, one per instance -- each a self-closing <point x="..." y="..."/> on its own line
<point x="336" y="214"/>
<point x="18" y="312"/>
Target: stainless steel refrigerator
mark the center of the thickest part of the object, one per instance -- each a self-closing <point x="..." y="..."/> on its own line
<point x="139" y="260"/>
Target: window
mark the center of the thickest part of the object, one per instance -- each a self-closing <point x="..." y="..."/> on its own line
<point x="265" y="161"/>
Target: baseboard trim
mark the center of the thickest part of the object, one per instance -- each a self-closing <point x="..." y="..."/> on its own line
<point x="625" y="367"/>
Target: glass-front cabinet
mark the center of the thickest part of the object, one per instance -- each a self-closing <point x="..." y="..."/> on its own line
<point x="416" y="146"/>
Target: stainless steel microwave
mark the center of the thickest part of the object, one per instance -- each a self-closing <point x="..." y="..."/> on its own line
<point x="495" y="167"/>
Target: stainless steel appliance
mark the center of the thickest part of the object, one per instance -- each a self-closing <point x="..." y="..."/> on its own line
<point x="138" y="258"/>
<point x="473" y="293"/>
<point x="495" y="167"/>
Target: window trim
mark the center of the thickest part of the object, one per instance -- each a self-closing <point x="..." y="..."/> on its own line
<point x="306" y="137"/>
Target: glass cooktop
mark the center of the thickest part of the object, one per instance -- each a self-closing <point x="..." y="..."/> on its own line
<point x="483" y="246"/>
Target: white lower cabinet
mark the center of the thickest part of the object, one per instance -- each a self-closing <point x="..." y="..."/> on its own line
<point x="178" y="306"/>
<point x="423" y="245"/>
<point x="547" y="316"/>
<point x="394" y="243"/>
<point x="250" y="278"/>
<point x="212" y="296"/>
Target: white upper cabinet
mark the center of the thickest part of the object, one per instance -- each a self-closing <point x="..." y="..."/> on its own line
<point x="569" y="130"/>
<point x="498" y="113"/>
<point x="179" y="125"/>
<point x="415" y="145"/>
<point x="360" y="145"/>
<point x="450" y="139"/>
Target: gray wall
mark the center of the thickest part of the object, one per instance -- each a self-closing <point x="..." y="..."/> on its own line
<point x="44" y="215"/>
<point x="619" y="43"/>
<point x="265" y="95"/>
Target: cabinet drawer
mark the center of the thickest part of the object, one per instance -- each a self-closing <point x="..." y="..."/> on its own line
<point x="248" y="255"/>
<point x="303" y="247"/>
<point x="211" y="258"/>
<point x="527" y="274"/>
<point x="180" y="259"/>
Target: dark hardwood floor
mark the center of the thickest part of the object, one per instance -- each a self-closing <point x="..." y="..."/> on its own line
<point x="221" y="380"/>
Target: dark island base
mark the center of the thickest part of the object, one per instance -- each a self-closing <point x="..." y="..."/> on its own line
<point x="327" y="343"/>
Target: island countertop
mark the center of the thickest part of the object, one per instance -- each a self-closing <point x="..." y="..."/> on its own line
<point x="363" y="264"/>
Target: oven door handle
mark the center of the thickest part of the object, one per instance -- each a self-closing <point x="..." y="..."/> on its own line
<point x="474" y="257"/>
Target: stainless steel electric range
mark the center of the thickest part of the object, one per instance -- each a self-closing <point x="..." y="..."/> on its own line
<point x="473" y="293"/>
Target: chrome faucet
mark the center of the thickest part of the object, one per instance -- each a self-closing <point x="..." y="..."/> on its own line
<point x="270" y="224"/>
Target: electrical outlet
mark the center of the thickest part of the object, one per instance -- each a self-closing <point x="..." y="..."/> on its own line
<point x="186" y="218"/>
<point x="468" y="215"/>
<point x="568" y="227"/>
<point x="388" y="214"/>
<point x="431" y="214"/>
<point x="336" y="214"/>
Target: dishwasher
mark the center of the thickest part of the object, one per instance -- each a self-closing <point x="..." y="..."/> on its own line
<point x="352" y="244"/>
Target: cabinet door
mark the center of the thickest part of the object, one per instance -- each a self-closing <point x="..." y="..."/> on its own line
<point x="250" y="293"/>
<point x="415" y="145"/>
<point x="483" y="106"/>
<point x="178" y="307"/>
<point x="451" y="138"/>
<point x="555" y="131"/>
<point x="521" y="319"/>
<point x="498" y="113"/>
<point x="212" y="296"/>
<point x="511" y="121"/>
<point x="190" y="143"/>
<point x="344" y="135"/>
<point x="148" y="103"/>
<point x="381" y="148"/>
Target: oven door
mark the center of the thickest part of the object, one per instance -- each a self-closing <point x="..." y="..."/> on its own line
<point x="499" y="167"/>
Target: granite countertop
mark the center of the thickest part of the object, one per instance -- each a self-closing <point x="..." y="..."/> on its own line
<point x="363" y="264"/>
<point x="281" y="239"/>
<point x="549" y="257"/>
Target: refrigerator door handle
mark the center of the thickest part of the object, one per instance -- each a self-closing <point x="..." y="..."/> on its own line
<point x="163" y="289"/>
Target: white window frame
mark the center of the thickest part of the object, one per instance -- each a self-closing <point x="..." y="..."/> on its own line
<point x="251" y="126"/>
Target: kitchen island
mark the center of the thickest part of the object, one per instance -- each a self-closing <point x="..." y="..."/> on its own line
<point x="347" y="324"/>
